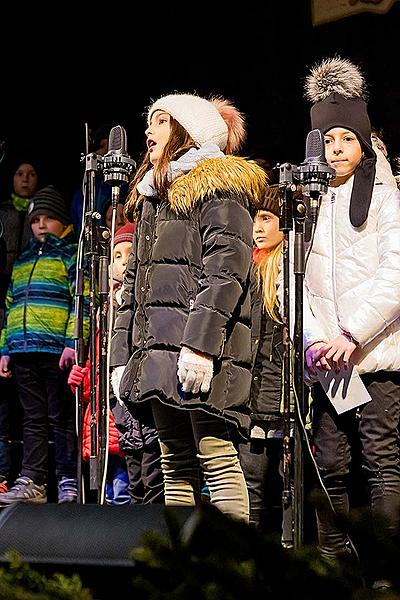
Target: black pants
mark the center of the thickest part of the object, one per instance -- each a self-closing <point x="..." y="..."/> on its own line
<point x="376" y="426"/>
<point x="261" y="462"/>
<point x="47" y="404"/>
<point x="146" y="482"/>
<point x="10" y="426"/>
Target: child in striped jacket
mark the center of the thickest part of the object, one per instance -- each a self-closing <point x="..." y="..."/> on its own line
<point x="37" y="346"/>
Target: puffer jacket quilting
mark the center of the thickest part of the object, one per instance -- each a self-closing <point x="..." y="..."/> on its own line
<point x="353" y="278"/>
<point x="187" y="284"/>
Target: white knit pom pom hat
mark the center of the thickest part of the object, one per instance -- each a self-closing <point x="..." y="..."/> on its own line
<point x="206" y="121"/>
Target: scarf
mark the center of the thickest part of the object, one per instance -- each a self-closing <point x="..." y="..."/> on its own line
<point x="259" y="254"/>
<point x="183" y="165"/>
<point x="20" y="204"/>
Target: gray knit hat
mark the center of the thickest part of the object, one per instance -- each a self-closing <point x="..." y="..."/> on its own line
<point x="48" y="201"/>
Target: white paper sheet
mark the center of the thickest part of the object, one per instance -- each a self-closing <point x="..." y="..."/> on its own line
<point x="344" y="389"/>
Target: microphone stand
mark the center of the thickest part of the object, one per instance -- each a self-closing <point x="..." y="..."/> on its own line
<point x="94" y="242"/>
<point x="117" y="168"/>
<point x="299" y="213"/>
<point x="293" y="470"/>
<point x="80" y="356"/>
<point x="103" y="394"/>
<point x="285" y="225"/>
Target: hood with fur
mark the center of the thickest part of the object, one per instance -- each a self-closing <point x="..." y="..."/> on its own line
<point x="228" y="174"/>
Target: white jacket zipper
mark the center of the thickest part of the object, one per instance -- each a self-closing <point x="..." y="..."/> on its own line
<point x="333" y="226"/>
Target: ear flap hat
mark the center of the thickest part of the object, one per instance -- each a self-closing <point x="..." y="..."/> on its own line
<point x="336" y="88"/>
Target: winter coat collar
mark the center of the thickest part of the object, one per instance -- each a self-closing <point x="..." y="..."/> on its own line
<point x="67" y="238"/>
<point x="229" y="175"/>
<point x="178" y="167"/>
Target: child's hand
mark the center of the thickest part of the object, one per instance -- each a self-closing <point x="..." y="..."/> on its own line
<point x="116" y="377"/>
<point x="5" y="370"/>
<point x="76" y="377"/>
<point x="195" y="371"/>
<point x="338" y="351"/>
<point x="315" y="358"/>
<point x="67" y="359"/>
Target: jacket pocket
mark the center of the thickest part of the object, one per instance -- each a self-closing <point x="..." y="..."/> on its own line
<point x="129" y="375"/>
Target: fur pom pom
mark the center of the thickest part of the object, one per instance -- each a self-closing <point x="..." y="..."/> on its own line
<point x="335" y="74"/>
<point x="235" y="122"/>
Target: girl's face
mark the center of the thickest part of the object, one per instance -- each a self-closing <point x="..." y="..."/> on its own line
<point x="120" y="259"/>
<point x="157" y="134"/>
<point x="343" y="153"/>
<point x="266" y="232"/>
<point x="25" y="181"/>
<point x="42" y="225"/>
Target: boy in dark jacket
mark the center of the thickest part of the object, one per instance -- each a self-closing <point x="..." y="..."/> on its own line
<point x="38" y="341"/>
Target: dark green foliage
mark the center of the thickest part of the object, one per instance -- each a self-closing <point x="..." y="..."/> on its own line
<point x="213" y="557"/>
<point x="20" y="582"/>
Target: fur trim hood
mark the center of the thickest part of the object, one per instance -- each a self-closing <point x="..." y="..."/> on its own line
<point x="211" y="176"/>
<point x="228" y="174"/>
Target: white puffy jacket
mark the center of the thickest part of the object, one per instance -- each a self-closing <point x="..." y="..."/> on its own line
<point x="352" y="278"/>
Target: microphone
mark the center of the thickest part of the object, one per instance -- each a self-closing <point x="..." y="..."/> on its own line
<point x="118" y="166"/>
<point x="315" y="173"/>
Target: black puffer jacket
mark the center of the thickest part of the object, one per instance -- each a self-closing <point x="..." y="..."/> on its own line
<point x="267" y="351"/>
<point x="187" y="284"/>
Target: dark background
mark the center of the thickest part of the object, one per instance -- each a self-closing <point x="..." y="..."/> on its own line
<point x="100" y="65"/>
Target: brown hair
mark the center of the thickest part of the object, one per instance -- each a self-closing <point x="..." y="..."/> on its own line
<point x="178" y="143"/>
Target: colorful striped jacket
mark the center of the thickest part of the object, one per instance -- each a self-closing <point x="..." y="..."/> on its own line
<point x="40" y="301"/>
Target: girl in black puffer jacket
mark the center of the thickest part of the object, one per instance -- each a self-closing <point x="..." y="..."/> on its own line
<point x="182" y="334"/>
<point x="261" y="455"/>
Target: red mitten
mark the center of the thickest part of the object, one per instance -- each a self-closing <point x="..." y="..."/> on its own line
<point x="76" y="377"/>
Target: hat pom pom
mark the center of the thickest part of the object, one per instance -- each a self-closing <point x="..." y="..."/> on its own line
<point x="235" y="122"/>
<point x="335" y="74"/>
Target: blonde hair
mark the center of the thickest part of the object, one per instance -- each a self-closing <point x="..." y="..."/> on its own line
<point x="266" y="275"/>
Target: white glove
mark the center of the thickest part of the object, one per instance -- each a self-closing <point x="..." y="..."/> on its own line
<point x="116" y="377"/>
<point x="195" y="371"/>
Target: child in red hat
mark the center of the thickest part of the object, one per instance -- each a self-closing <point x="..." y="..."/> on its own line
<point x="134" y="469"/>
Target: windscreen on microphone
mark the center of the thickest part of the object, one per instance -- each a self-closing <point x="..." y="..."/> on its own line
<point x="315" y="173"/>
<point x="315" y="146"/>
<point x="117" y="140"/>
<point x="118" y="166"/>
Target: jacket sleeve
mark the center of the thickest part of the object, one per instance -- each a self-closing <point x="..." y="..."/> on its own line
<point x="226" y="231"/>
<point x="3" y="335"/>
<point x="312" y="331"/>
<point x="121" y="343"/>
<point x="375" y="312"/>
